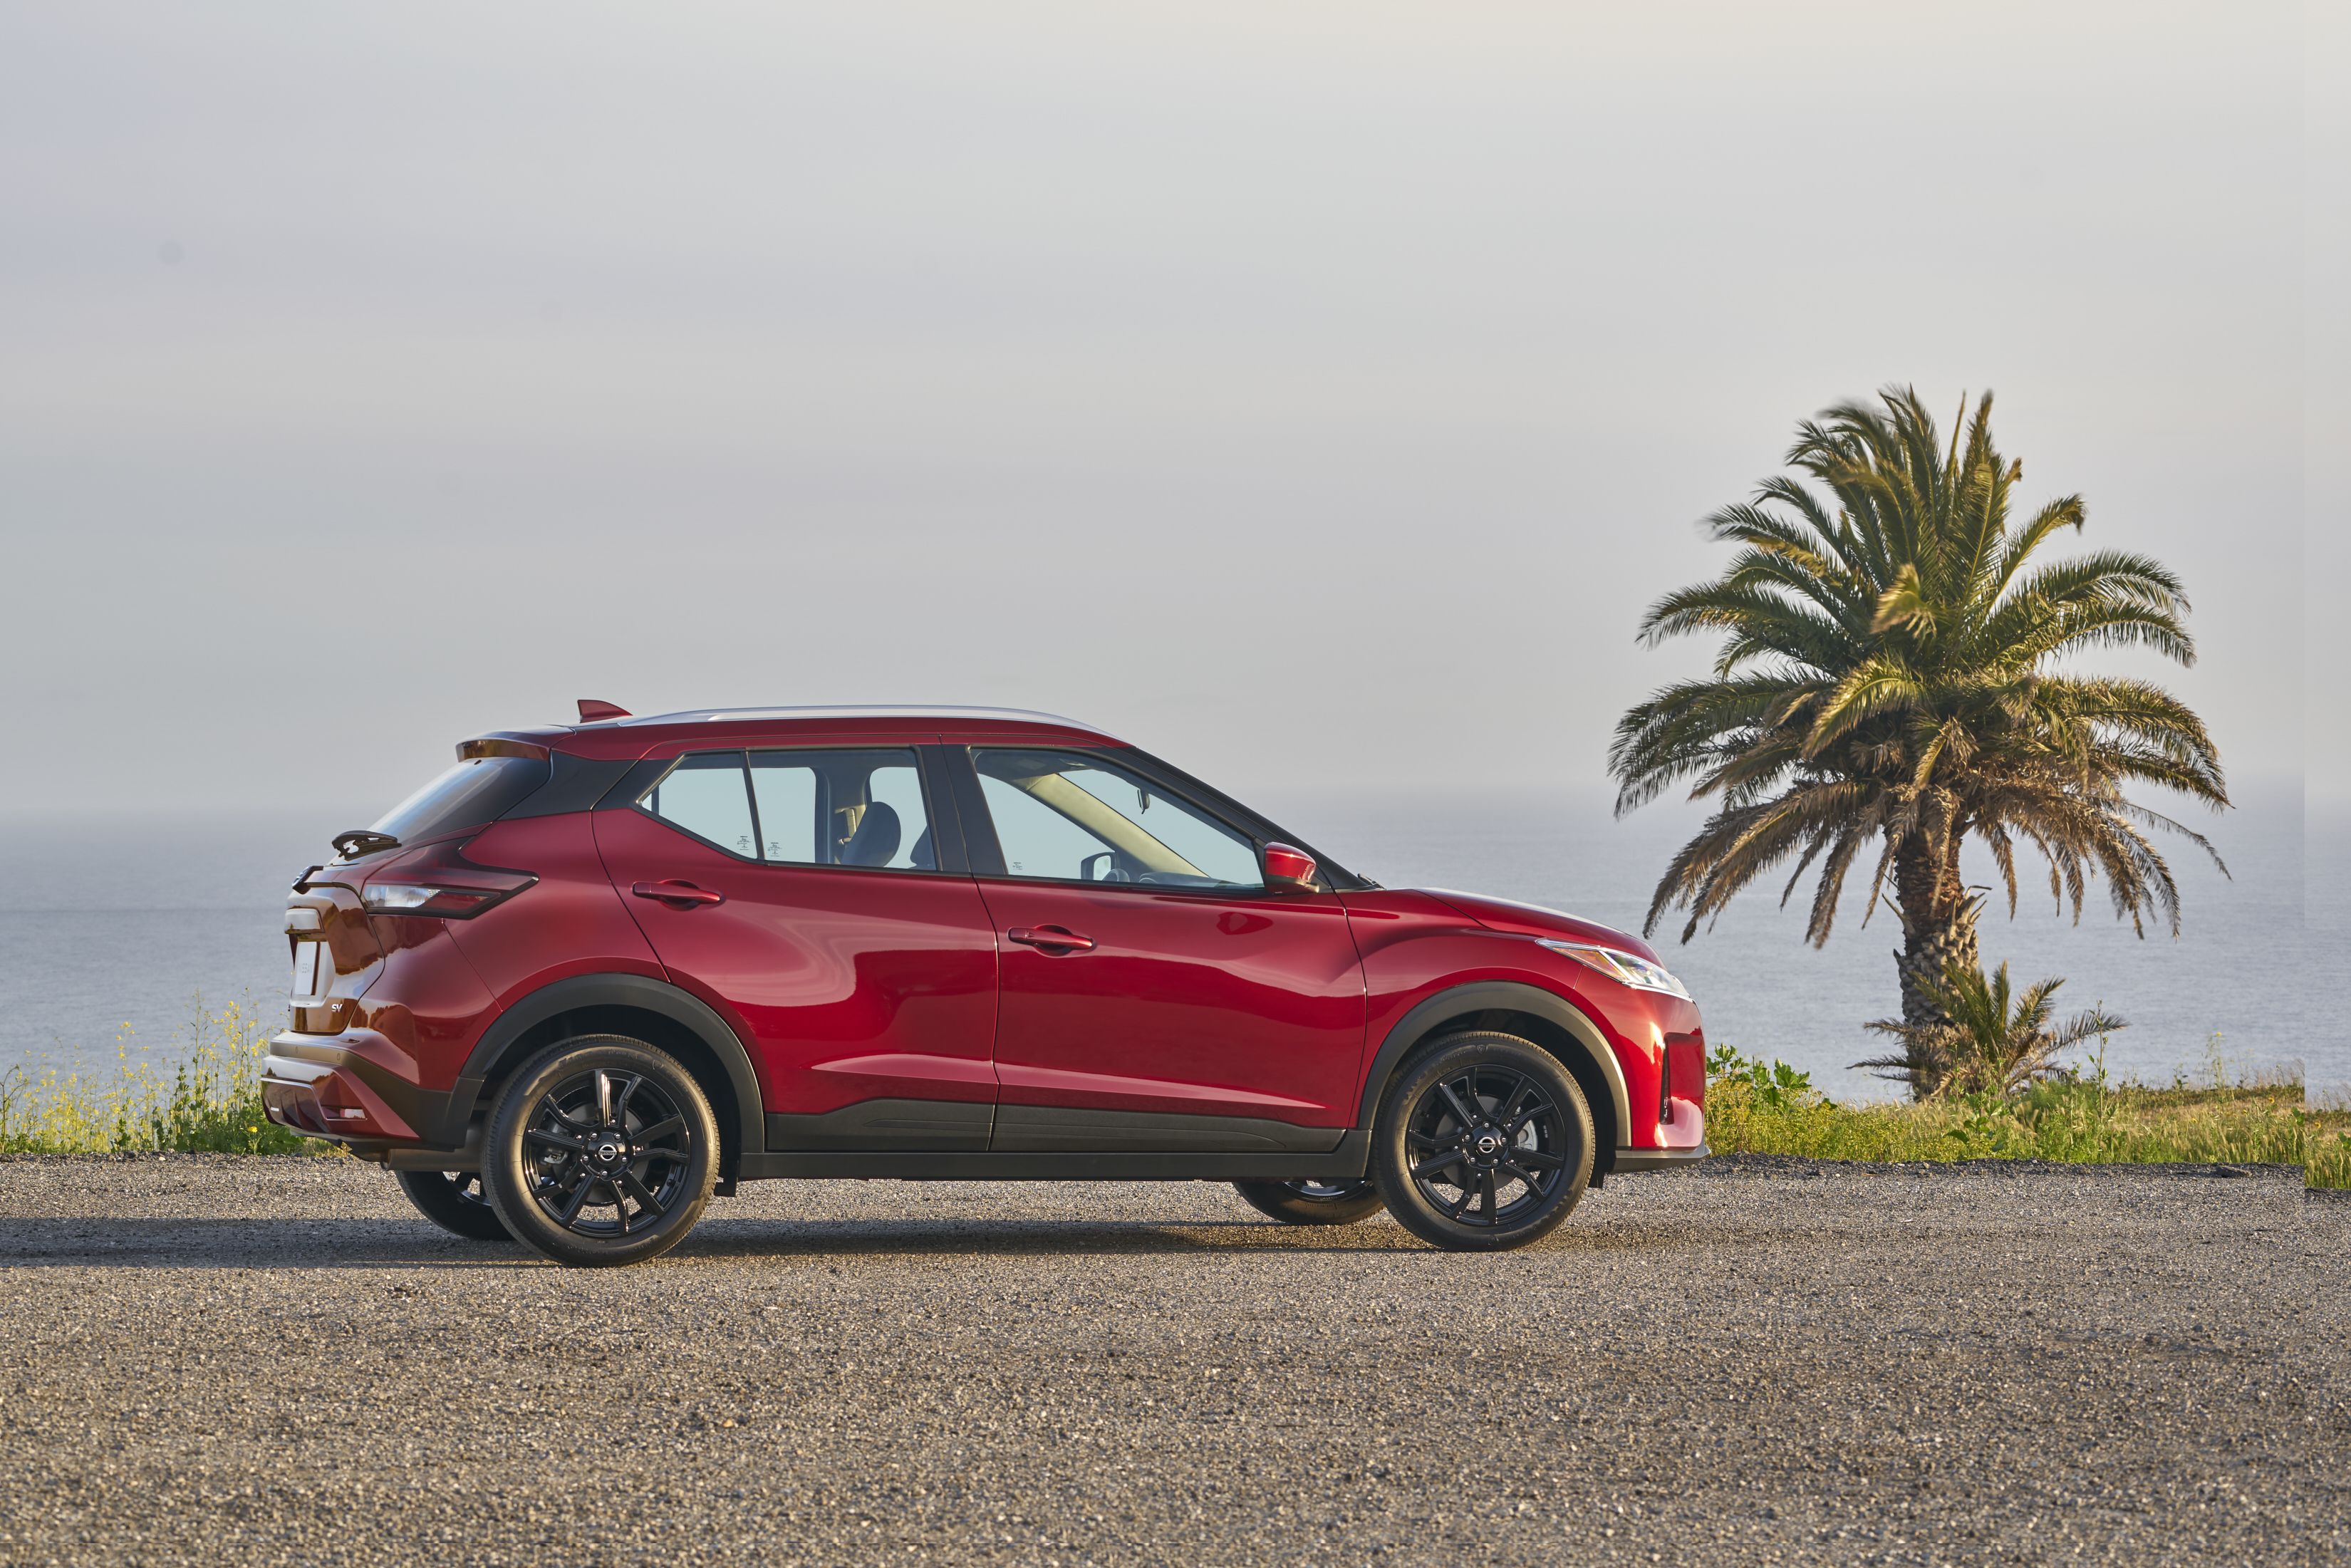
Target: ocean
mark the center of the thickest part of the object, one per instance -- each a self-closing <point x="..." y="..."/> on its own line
<point x="115" y="933"/>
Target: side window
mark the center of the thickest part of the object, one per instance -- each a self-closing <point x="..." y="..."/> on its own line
<point x="1072" y="818"/>
<point x="842" y="808"/>
<point x="705" y="795"/>
<point x="1037" y="841"/>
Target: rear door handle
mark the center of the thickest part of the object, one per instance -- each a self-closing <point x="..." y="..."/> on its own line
<point x="685" y="895"/>
<point x="1050" y="936"/>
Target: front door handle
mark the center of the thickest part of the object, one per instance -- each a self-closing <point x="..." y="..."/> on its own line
<point x="681" y="894"/>
<point x="1050" y="937"/>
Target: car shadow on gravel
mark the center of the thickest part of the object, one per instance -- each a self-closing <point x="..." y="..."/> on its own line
<point x="1002" y="1239"/>
<point x="282" y="1244"/>
<point x="1044" y="1237"/>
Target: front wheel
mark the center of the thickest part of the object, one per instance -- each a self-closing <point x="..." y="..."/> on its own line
<point x="1484" y="1143"/>
<point x="602" y="1150"/>
<point x="455" y="1201"/>
<point x="1311" y="1202"/>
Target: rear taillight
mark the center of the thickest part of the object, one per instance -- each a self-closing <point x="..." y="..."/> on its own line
<point x="439" y="882"/>
<point x="439" y="900"/>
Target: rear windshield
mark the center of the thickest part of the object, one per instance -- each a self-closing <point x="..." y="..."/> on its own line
<point x="475" y="792"/>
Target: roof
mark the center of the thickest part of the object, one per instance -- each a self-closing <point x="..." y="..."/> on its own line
<point x="725" y="727"/>
<point x="945" y="714"/>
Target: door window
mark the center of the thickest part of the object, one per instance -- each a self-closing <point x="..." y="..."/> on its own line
<point x="861" y="807"/>
<point x="1064" y="817"/>
<point x="705" y="795"/>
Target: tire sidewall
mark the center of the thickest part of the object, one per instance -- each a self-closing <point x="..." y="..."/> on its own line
<point x="1392" y="1167"/>
<point x="437" y="1197"/>
<point x="1279" y="1200"/>
<point x="503" y="1175"/>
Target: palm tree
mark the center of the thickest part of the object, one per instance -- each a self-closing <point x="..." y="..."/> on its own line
<point x="1895" y="673"/>
<point x="1995" y="1043"/>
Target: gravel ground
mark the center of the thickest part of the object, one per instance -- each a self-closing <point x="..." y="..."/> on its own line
<point x="274" y="1361"/>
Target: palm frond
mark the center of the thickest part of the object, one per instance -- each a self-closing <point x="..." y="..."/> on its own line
<point x="1896" y="666"/>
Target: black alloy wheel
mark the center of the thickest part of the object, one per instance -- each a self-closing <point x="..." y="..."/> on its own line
<point x="1341" y="1202"/>
<point x="455" y="1201"/>
<point x="607" y="1150"/>
<point x="603" y="1150"/>
<point x="1485" y="1142"/>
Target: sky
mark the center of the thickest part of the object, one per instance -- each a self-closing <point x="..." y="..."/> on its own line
<point x="1312" y="393"/>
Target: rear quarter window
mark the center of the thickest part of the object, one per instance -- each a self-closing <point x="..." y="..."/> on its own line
<point x="472" y="794"/>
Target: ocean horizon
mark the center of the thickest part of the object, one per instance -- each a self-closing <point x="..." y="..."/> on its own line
<point x="115" y="940"/>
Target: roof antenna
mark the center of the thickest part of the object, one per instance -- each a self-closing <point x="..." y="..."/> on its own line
<point x="593" y="712"/>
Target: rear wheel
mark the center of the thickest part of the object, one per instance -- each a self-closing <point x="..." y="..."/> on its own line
<point x="1311" y="1202"/>
<point x="1484" y="1143"/>
<point x="602" y="1150"/>
<point x="455" y="1201"/>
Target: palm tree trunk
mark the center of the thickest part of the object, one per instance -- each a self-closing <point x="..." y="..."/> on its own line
<point x="1938" y="927"/>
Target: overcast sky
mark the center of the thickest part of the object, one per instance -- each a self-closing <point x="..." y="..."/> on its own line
<point x="1304" y="392"/>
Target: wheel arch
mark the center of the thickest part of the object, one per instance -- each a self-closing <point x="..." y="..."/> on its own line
<point x="643" y="1009"/>
<point x="1550" y="1021"/>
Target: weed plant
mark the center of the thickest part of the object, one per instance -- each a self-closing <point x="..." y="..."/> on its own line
<point x="209" y="1101"/>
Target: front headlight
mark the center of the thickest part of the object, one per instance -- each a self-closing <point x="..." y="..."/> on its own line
<point x="1617" y="965"/>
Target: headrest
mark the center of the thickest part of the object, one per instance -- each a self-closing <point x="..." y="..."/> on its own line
<point x="876" y="839"/>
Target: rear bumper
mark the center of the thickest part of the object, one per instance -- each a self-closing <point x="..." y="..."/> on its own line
<point x="1629" y="1160"/>
<point x="341" y="1086"/>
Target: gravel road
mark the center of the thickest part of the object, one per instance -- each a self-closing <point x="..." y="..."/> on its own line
<point x="273" y="1361"/>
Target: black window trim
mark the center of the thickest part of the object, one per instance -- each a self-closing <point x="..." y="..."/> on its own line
<point x="1178" y="785"/>
<point x="947" y="847"/>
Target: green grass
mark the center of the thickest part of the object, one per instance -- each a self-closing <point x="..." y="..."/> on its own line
<point x="210" y="1101"/>
<point x="1770" y="1109"/>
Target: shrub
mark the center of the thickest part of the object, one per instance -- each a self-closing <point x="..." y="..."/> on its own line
<point x="1988" y="1039"/>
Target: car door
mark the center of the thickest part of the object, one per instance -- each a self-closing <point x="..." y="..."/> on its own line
<point x="1153" y="994"/>
<point x="813" y="896"/>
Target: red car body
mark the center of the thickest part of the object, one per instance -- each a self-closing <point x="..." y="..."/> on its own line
<point x="955" y="1017"/>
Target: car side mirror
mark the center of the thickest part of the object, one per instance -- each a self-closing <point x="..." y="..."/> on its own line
<point x="1288" y="869"/>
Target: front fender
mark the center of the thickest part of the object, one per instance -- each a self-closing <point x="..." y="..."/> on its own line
<point x="1496" y="995"/>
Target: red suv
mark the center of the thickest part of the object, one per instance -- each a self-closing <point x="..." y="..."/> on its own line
<point x="592" y="976"/>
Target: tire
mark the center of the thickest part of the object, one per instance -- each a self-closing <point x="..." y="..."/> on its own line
<point x="1311" y="1202"/>
<point x="455" y="1201"/>
<point x="1517" y="1128"/>
<point x="602" y="1151"/>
